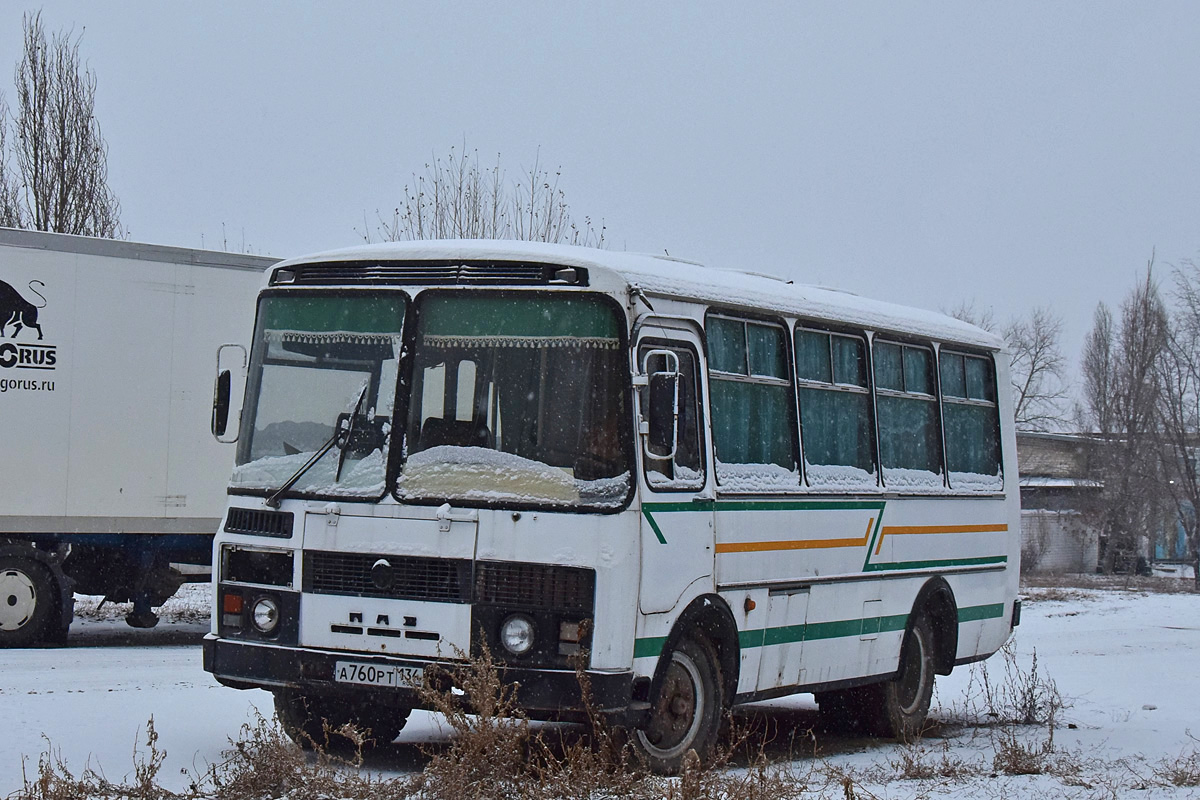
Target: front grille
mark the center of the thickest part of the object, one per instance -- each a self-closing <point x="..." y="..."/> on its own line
<point x="535" y="586"/>
<point x="259" y="523"/>
<point x="411" y="578"/>
<point x="426" y="273"/>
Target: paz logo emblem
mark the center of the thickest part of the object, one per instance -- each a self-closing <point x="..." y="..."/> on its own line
<point x="18" y="312"/>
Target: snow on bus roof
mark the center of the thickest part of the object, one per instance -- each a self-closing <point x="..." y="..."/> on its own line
<point x="666" y="275"/>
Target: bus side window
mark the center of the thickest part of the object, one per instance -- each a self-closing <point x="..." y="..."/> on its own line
<point x="909" y="428"/>
<point x="753" y="413"/>
<point x="686" y="470"/>
<point x="972" y="421"/>
<point x="836" y="420"/>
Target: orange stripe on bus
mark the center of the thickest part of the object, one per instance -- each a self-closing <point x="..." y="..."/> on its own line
<point x="800" y="544"/>
<point x="904" y="530"/>
<point x="900" y="530"/>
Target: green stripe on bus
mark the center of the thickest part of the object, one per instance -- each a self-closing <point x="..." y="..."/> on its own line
<point x="972" y="613"/>
<point x="945" y="562"/>
<point x="815" y="631"/>
<point x="652" y="647"/>
<point x="767" y="505"/>
<point x="654" y="526"/>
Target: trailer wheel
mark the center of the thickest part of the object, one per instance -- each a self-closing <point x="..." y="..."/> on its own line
<point x="686" y="710"/>
<point x="26" y="601"/>
<point x="312" y="721"/>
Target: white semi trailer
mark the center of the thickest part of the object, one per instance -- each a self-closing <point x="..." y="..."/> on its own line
<point x="108" y="472"/>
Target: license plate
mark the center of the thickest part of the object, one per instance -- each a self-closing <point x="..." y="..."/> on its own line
<point x="377" y="674"/>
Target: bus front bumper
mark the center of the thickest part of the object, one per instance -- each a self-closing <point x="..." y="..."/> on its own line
<point x="540" y="693"/>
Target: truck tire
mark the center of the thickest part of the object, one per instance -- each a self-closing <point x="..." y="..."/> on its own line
<point x="685" y="712"/>
<point x="27" y="601"/>
<point x="906" y="698"/>
<point x="305" y="718"/>
<point x="896" y="708"/>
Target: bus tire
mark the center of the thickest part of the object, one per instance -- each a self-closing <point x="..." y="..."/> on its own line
<point x="27" y="601"/>
<point x="313" y="722"/>
<point x="685" y="713"/>
<point x="906" y="697"/>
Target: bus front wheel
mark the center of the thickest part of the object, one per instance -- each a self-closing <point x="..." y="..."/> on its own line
<point x="686" y="709"/>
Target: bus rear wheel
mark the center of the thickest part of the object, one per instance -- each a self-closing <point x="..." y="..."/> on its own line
<point x="686" y="710"/>
<point x="896" y="708"/>
<point x="313" y="721"/>
<point x="906" y="697"/>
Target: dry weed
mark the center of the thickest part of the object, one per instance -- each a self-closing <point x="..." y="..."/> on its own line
<point x="1016" y="757"/>
<point x="917" y="761"/>
<point x="1184" y="770"/>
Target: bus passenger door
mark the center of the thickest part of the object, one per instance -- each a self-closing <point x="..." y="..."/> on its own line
<point x="677" y="510"/>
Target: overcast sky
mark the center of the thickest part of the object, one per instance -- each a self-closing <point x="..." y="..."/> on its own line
<point x="1012" y="153"/>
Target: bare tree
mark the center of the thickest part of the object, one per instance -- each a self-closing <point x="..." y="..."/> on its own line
<point x="10" y="207"/>
<point x="1179" y="371"/>
<point x="1039" y="386"/>
<point x="1038" y="380"/>
<point x="456" y="198"/>
<point x="60" y="182"/>
<point x="1123" y="390"/>
<point x="1099" y="372"/>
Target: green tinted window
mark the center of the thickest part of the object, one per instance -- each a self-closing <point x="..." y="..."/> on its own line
<point x="835" y="420"/>
<point x="753" y="415"/>
<point x="918" y="377"/>
<point x="766" y="350"/>
<point x="812" y="356"/>
<point x="972" y="416"/>
<point x="837" y="428"/>
<point x="910" y="430"/>
<point x="980" y="385"/>
<point x="889" y="367"/>
<point x="908" y="435"/>
<point x="726" y="345"/>
<point x="953" y="384"/>
<point x="972" y="439"/>
<point x="849" y="361"/>
<point x="751" y="423"/>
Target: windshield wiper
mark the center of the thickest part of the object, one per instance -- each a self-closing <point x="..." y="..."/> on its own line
<point x="274" y="497"/>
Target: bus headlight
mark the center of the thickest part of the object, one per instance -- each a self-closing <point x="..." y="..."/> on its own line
<point x="517" y="634"/>
<point x="266" y="615"/>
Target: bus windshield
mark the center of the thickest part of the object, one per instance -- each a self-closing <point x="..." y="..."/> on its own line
<point x="518" y="398"/>
<point x="321" y="387"/>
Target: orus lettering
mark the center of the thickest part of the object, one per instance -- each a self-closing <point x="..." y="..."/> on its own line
<point x="28" y="357"/>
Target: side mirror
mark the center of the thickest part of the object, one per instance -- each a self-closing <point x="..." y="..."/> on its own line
<point x="660" y="412"/>
<point x="220" y="412"/>
<point x="223" y="389"/>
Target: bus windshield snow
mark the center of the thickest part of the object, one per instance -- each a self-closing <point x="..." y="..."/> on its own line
<point x="518" y="398"/>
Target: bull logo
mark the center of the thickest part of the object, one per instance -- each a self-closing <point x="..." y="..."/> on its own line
<point x="17" y="311"/>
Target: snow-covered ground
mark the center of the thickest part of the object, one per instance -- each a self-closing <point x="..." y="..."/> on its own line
<point x="1124" y="663"/>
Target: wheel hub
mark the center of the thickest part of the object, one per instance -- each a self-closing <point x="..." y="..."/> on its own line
<point x="18" y="599"/>
<point x="676" y="722"/>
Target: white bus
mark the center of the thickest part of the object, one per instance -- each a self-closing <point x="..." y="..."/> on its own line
<point x="716" y="486"/>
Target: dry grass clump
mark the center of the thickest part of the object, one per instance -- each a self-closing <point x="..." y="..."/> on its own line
<point x="1183" y="770"/>
<point x="918" y="761"/>
<point x="1015" y="756"/>
<point x="1016" y="695"/>
<point x="1073" y="585"/>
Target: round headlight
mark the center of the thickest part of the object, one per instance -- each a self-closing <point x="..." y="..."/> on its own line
<point x="266" y="614"/>
<point x="516" y="634"/>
